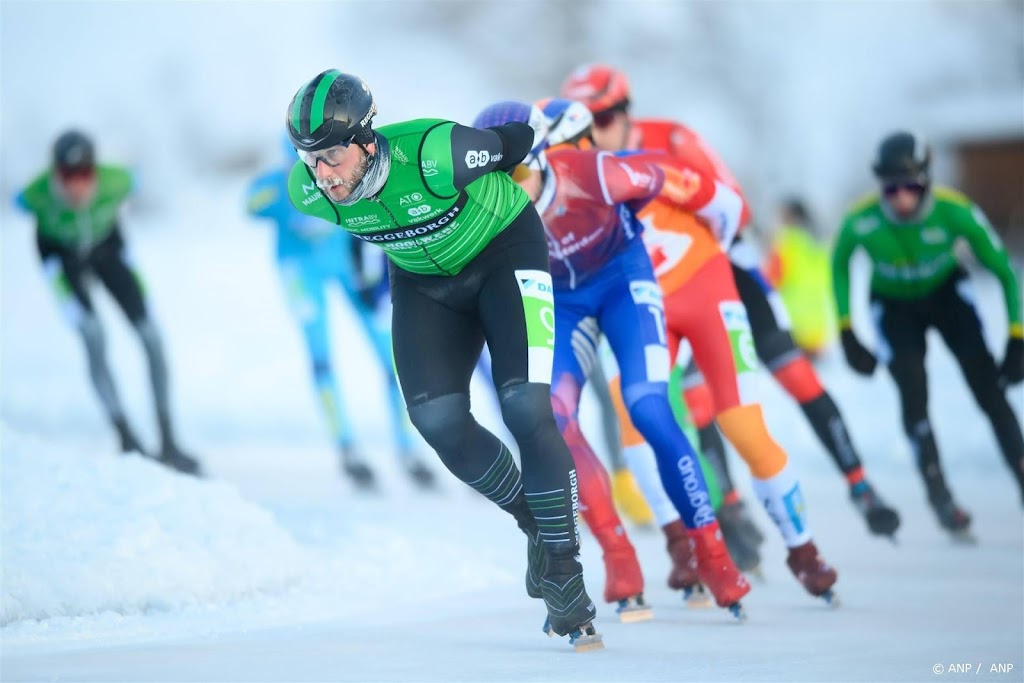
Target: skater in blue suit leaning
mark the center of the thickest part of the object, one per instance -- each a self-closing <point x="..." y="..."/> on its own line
<point x="310" y="254"/>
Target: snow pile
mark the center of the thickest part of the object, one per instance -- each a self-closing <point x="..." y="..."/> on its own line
<point x="83" y="535"/>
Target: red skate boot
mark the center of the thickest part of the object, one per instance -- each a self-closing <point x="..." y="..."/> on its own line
<point x="683" y="576"/>
<point x="624" y="583"/>
<point x="716" y="568"/>
<point x="812" y="572"/>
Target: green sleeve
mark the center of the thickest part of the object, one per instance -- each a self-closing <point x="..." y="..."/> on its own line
<point x="973" y="226"/>
<point x="307" y="197"/>
<point x="841" y="253"/>
<point x="117" y="182"/>
<point x="33" y="197"/>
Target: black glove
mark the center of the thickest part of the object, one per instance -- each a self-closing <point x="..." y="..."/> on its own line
<point x="1012" y="369"/>
<point x="367" y="295"/>
<point x="857" y="357"/>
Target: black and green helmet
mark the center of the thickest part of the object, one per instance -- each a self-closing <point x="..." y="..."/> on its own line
<point x="73" y="151"/>
<point x="332" y="109"/>
<point x="903" y="156"/>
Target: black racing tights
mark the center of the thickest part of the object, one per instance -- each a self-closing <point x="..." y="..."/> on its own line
<point x="439" y="327"/>
<point x="902" y="325"/>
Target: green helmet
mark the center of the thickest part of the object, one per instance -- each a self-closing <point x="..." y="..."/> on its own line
<point x="332" y="109"/>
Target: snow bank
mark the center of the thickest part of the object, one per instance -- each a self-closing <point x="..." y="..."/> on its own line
<point x="98" y="546"/>
<point x="85" y="534"/>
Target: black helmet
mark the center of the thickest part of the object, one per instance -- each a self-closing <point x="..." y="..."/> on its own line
<point x="73" y="151"/>
<point x="332" y="109"/>
<point x="903" y="156"/>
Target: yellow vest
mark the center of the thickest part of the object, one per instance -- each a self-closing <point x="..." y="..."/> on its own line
<point x="805" y="285"/>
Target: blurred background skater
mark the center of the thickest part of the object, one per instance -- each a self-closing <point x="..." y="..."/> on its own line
<point x="799" y="267"/>
<point x="910" y="230"/>
<point x="605" y="91"/>
<point x="311" y="254"/>
<point x="75" y="203"/>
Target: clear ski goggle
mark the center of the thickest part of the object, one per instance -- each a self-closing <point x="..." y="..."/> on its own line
<point x="332" y="156"/>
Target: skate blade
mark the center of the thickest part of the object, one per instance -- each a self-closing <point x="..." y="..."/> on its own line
<point x="883" y="524"/>
<point x="631" y="613"/>
<point x="422" y="479"/>
<point x="736" y="609"/>
<point x="756" y="573"/>
<point x="586" y="640"/>
<point x="831" y="599"/>
<point x="697" y="597"/>
<point x="964" y="537"/>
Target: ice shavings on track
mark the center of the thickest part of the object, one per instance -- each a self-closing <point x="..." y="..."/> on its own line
<point x="85" y="535"/>
<point x="97" y="544"/>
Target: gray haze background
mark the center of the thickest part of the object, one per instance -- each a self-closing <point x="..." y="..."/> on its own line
<point x="794" y="95"/>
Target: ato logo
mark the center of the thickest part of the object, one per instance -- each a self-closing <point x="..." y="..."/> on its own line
<point x="475" y="158"/>
<point x="408" y="199"/>
<point x="421" y="210"/>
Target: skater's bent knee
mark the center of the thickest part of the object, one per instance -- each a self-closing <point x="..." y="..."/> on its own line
<point x="776" y="349"/>
<point x="651" y="413"/>
<point x="799" y="379"/>
<point x="92" y="330"/>
<point x="322" y="369"/>
<point x="991" y="399"/>
<point x="526" y="409"/>
<point x="745" y="428"/>
<point x="442" y="421"/>
<point x="634" y="393"/>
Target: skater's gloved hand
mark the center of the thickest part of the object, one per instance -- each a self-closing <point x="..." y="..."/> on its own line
<point x="857" y="357"/>
<point x="1012" y="369"/>
<point x="367" y="295"/>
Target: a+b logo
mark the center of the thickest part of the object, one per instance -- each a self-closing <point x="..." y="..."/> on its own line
<point x="476" y="158"/>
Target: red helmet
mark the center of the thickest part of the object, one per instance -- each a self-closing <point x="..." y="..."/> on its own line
<point x="598" y="86"/>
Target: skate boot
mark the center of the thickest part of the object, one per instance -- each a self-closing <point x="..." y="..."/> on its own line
<point x="951" y="516"/>
<point x="353" y="466"/>
<point x="571" y="612"/>
<point x="629" y="500"/>
<point x="623" y="583"/>
<point x="742" y="537"/>
<point x="716" y="569"/>
<point x="683" y="575"/>
<point x="172" y="456"/>
<point x="812" y="572"/>
<point x="129" y="442"/>
<point x="882" y="520"/>
<point x="420" y="474"/>
<point x="535" y="564"/>
<point x="536" y="555"/>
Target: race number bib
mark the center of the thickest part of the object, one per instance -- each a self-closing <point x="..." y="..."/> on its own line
<point x="647" y="298"/>
<point x="539" y="309"/>
<point x="734" y="317"/>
